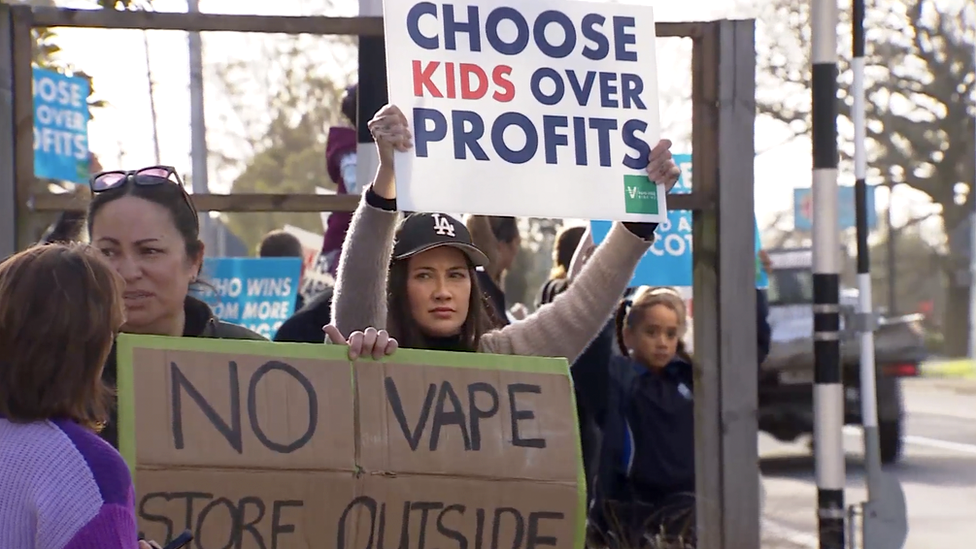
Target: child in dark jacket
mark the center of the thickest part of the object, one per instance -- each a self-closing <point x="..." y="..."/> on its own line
<point x="643" y="403"/>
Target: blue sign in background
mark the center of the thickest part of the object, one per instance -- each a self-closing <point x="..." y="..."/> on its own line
<point x="257" y="293"/>
<point x="669" y="261"/>
<point x="846" y="212"/>
<point x="60" y="126"/>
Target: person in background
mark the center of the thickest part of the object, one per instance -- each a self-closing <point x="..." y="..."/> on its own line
<point x="763" y="330"/>
<point x="500" y="240"/>
<point x="340" y="160"/>
<point x="61" y="486"/>
<point x="279" y="243"/>
<point x="567" y="240"/>
<point x="145" y="224"/>
<point x="643" y="402"/>
<point x="69" y="225"/>
<point x="305" y="326"/>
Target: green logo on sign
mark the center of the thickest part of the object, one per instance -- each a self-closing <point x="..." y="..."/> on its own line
<point x="640" y="195"/>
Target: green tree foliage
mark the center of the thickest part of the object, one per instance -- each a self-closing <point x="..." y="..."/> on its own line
<point x="285" y="120"/>
<point x="921" y="102"/>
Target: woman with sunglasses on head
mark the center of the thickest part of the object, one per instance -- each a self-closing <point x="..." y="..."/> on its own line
<point x="146" y="226"/>
<point x="428" y="295"/>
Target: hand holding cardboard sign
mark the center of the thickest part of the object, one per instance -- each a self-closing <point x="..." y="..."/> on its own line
<point x="661" y="167"/>
<point x="377" y="343"/>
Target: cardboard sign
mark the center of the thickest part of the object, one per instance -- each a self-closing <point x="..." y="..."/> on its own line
<point x="544" y="109"/>
<point x="60" y="126"/>
<point x="258" y="445"/>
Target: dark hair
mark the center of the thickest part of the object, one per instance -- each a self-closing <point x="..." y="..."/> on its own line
<point x="631" y="311"/>
<point x="168" y="195"/>
<point x="567" y="240"/>
<point x="505" y="228"/>
<point x="400" y="322"/>
<point x="60" y="309"/>
<point x="66" y="228"/>
<point x="279" y="243"/>
<point x="350" y="102"/>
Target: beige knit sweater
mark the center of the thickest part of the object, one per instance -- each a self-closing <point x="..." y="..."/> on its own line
<point x="563" y="328"/>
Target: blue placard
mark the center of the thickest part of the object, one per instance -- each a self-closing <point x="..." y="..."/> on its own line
<point x="60" y="126"/>
<point x="668" y="262"/>
<point x="846" y="211"/>
<point x="257" y="293"/>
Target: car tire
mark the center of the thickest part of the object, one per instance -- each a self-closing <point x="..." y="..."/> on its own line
<point x="890" y="439"/>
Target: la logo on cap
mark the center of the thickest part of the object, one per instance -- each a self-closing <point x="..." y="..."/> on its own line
<point x="443" y="226"/>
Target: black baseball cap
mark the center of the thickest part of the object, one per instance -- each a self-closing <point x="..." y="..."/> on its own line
<point x="419" y="232"/>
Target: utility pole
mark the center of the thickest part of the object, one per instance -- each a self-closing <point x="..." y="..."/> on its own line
<point x="828" y="390"/>
<point x="198" y="127"/>
<point x="152" y="98"/>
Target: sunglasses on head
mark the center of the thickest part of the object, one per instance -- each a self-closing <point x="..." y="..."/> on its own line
<point x="144" y="177"/>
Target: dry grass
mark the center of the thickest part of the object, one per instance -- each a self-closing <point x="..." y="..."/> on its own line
<point x="682" y="535"/>
<point x="768" y="541"/>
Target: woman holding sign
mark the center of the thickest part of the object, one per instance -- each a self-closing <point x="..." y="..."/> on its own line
<point x="422" y="292"/>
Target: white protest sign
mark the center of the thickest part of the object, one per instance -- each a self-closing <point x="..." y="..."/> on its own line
<point x="548" y="109"/>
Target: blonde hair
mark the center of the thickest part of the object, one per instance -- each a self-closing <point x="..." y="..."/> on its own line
<point x="631" y="311"/>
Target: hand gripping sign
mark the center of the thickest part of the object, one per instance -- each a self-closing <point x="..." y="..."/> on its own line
<point x="547" y="109"/>
<point x="669" y="260"/>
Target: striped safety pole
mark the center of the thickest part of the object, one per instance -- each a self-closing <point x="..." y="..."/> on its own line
<point x="372" y="92"/>
<point x="865" y="305"/>
<point x="828" y="392"/>
<point x="884" y="517"/>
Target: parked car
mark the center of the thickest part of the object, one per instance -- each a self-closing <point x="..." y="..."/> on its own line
<point x="786" y="377"/>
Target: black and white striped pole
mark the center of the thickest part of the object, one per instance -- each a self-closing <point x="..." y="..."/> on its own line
<point x="884" y="516"/>
<point x="828" y="391"/>
<point x="372" y="92"/>
<point x="865" y="305"/>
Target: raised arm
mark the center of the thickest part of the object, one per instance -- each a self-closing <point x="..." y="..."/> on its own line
<point x="565" y="327"/>
<point x="359" y="300"/>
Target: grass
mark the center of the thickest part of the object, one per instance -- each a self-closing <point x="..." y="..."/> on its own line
<point x="961" y="368"/>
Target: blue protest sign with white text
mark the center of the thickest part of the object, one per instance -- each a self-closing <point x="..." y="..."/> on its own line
<point x="846" y="210"/>
<point x="257" y="293"/>
<point x="60" y="126"/>
<point x="669" y="261"/>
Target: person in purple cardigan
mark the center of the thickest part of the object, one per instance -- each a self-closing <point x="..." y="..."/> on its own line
<point x="61" y="485"/>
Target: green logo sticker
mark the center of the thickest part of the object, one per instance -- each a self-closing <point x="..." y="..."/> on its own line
<point x="640" y="195"/>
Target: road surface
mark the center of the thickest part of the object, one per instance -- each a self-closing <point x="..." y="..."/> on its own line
<point x="937" y="472"/>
